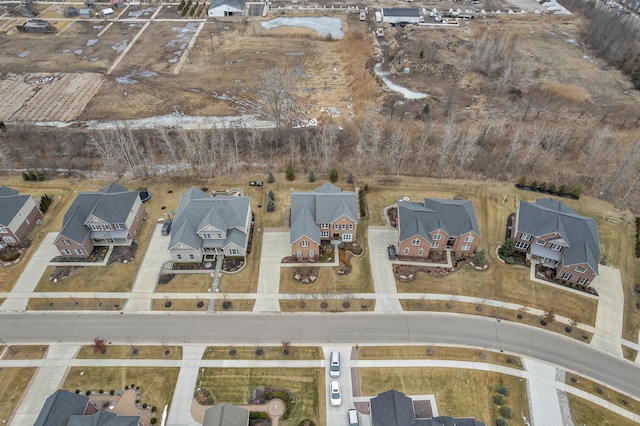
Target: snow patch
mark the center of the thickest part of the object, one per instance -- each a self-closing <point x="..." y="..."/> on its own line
<point x="406" y="93"/>
<point x="120" y="46"/>
<point x="323" y="25"/>
<point x="92" y="41"/>
<point x="24" y="54"/>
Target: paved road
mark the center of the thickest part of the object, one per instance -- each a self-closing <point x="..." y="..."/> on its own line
<point x="413" y="328"/>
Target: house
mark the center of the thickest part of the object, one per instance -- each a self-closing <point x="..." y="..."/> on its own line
<point x="85" y="13"/>
<point x="109" y="217"/>
<point x="117" y="3"/>
<point x="38" y="26"/>
<point x="551" y="233"/>
<point x="326" y="214"/>
<point x="207" y="226"/>
<point x="220" y="8"/>
<point x="71" y="12"/>
<point x="436" y="225"/>
<point x="107" y="13"/>
<point x="90" y="4"/>
<point x="226" y="415"/>
<point x="64" y="408"/>
<point x="393" y="408"/>
<point x="398" y="15"/>
<point x="19" y="215"/>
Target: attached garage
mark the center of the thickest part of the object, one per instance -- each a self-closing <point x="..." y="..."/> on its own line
<point x="221" y="8"/>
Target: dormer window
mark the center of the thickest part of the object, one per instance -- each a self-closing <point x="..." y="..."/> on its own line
<point x="525" y="237"/>
<point x="206" y="236"/>
<point x="541" y="242"/>
<point x="437" y="237"/>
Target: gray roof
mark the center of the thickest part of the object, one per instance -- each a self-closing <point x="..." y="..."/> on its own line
<point x="392" y="408"/>
<point x="10" y="204"/>
<point x="112" y="204"/>
<point x="104" y="418"/>
<point x="325" y="205"/>
<point x="547" y="216"/>
<point x="60" y="406"/>
<point x="236" y="4"/>
<point x="400" y="11"/>
<point x="449" y="421"/>
<point x="226" y="415"/>
<point x="197" y="209"/>
<point x="455" y="217"/>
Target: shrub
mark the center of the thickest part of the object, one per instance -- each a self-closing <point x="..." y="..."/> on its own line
<point x="498" y="399"/>
<point x="112" y="392"/>
<point x="181" y="6"/>
<point x="507" y="248"/>
<point x="290" y="171"/>
<point x="562" y="189"/>
<point x="45" y="202"/>
<point x="576" y="191"/>
<point x="552" y="189"/>
<point x="312" y="176"/>
<point x="481" y="257"/>
<point x="505" y="412"/>
<point x="503" y="390"/>
<point x="534" y="185"/>
<point x="333" y="175"/>
<point x="350" y="178"/>
<point x="501" y="422"/>
<point x="154" y="420"/>
<point x="270" y="205"/>
<point x="101" y="391"/>
<point x="270" y="195"/>
<point x="88" y="392"/>
<point x="343" y="259"/>
<point x="77" y="390"/>
<point x="258" y="415"/>
<point x="522" y="181"/>
<point x="154" y="409"/>
<point x="542" y="186"/>
<point x="144" y="405"/>
<point x="270" y="178"/>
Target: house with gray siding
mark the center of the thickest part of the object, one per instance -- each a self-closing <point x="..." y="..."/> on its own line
<point x="19" y="215"/>
<point x="551" y="233"/>
<point x="207" y="226"/>
<point x="328" y="213"/>
<point x="109" y="217"/>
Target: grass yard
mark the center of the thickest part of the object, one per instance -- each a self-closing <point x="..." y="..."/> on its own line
<point x="332" y="305"/>
<point x="14" y="383"/>
<point x="234" y="385"/>
<point x="615" y="398"/>
<point x="70" y="304"/>
<point x="437" y="352"/>
<point x="270" y="352"/>
<point x="234" y="305"/>
<point x="451" y="389"/>
<point x="156" y="384"/>
<point x="584" y="412"/>
<point x="25" y="352"/>
<point x="180" y="305"/>
<point x="126" y="352"/>
<point x="187" y="283"/>
<point x="330" y="282"/>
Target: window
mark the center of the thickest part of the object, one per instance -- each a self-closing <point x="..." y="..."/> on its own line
<point x="3" y="230"/>
<point x="234" y="251"/>
<point x="541" y="242"/>
<point x="344" y="218"/>
<point x="179" y="256"/>
<point x="39" y="222"/>
<point x="435" y="245"/>
<point x="525" y="237"/>
<point x="566" y="276"/>
<point x="67" y="252"/>
<point x="336" y="226"/>
<point x="192" y="257"/>
<point x="299" y="253"/>
<point x="466" y="247"/>
<point x="27" y="221"/>
<point x="312" y="253"/>
<point x="406" y="250"/>
<point x="8" y="240"/>
<point x="347" y="237"/>
<point x="556" y="247"/>
<point x="581" y="270"/>
<point x="415" y="242"/>
<point x="583" y="281"/>
<point x="66" y="242"/>
<point x="19" y="214"/>
<point x="79" y="252"/>
<point x="95" y="227"/>
<point x="437" y="237"/>
<point x="219" y="236"/>
<point x="304" y="243"/>
<point x="522" y="246"/>
<point x="468" y="239"/>
<point x="420" y="252"/>
<point x="118" y="226"/>
<point x="344" y="226"/>
<point x="324" y="234"/>
<point x="206" y="236"/>
<point x="324" y="226"/>
<point x="351" y="227"/>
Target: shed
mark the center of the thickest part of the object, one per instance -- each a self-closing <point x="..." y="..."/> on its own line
<point x="397" y="15"/>
<point x="134" y="5"/>
<point x="107" y="13"/>
<point x="85" y="13"/>
<point x="220" y="8"/>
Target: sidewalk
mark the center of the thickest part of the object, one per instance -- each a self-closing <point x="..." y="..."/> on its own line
<point x="542" y="393"/>
<point x="180" y="413"/>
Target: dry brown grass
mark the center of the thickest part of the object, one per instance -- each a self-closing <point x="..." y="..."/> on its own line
<point x="237" y="305"/>
<point x="565" y="92"/>
<point x="14" y="384"/>
<point x="270" y="352"/>
<point x="187" y="283"/>
<point x="609" y="395"/>
<point x="332" y="305"/>
<point x="126" y="352"/>
<point x="329" y="281"/>
<point x="179" y="305"/>
<point x="584" y="412"/>
<point x="25" y="352"/>
<point x="75" y="304"/>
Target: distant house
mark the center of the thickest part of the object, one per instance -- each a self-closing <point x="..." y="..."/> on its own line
<point x="117" y="3"/>
<point x="207" y="226"/>
<point x="85" y="13"/>
<point x="107" y="13"/>
<point x="393" y="408"/>
<point x="226" y="415"/>
<point x="220" y="8"/>
<point x="326" y="214"/>
<point x="110" y="217"/>
<point x="38" y="26"/>
<point x="90" y="4"/>
<point x="397" y="15"/>
<point x="71" y="12"/>
<point x="19" y="215"/>
<point x="29" y="10"/>
<point x="436" y="225"/>
<point x="551" y="233"/>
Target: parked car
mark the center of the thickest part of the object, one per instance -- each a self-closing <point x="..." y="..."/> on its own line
<point x="166" y="228"/>
<point x="352" y="414"/>
<point x="391" y="249"/>
<point x="334" y="361"/>
<point x="255" y="183"/>
<point x="335" y="394"/>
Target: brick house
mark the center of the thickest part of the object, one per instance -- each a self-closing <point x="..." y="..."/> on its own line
<point x="436" y="225"/>
<point x="207" y="226"/>
<point x="19" y="215"/>
<point x="328" y="213"/>
<point x="551" y="233"/>
<point x="109" y="217"/>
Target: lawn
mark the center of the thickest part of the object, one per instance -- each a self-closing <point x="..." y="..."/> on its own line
<point x="187" y="283"/>
<point x="234" y="385"/>
<point x="269" y="352"/>
<point x="25" y="352"/>
<point x="584" y="412"/>
<point x="70" y="304"/>
<point x="234" y="305"/>
<point x="14" y="383"/>
<point x="180" y="305"/>
<point x="116" y="277"/>
<point x="615" y="398"/>
<point x="437" y="352"/>
<point x="332" y="305"/>
<point x="451" y="389"/>
<point x="127" y="352"/>
<point x="156" y="384"/>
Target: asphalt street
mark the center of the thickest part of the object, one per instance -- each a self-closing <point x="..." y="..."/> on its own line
<point x="372" y="328"/>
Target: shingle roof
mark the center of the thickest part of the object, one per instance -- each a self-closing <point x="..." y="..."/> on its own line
<point x="547" y="216"/>
<point x="10" y="204"/>
<point x="455" y="217"/>
<point x="226" y="415"/>
<point x="197" y="210"/>
<point x="325" y="205"/>
<point x="399" y="11"/>
<point x="59" y="407"/>
<point x="392" y="408"/>
<point x="449" y="421"/>
<point x="104" y="418"/>
<point x="236" y="4"/>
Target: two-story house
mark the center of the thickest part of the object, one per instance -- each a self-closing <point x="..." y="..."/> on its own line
<point x="109" y="217"/>
<point x="19" y="215"/>
<point x="436" y="225"/>
<point x="207" y="226"/>
<point x="328" y="213"/>
<point x="551" y="233"/>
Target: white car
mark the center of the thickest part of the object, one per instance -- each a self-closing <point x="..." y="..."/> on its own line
<point x="334" y="394"/>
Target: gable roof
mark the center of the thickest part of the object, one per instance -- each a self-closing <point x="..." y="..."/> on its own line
<point x="10" y="204"/>
<point x="197" y="210"/>
<point x="60" y="406"/>
<point x="392" y="408"/>
<point x="449" y="421"/>
<point x="400" y="11"/>
<point x="547" y="216"/>
<point x="455" y="217"/>
<point x="103" y="418"/>
<point x="325" y="205"/>
<point x="226" y="415"/>
<point x="236" y="4"/>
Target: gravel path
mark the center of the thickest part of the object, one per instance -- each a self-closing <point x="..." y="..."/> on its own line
<point x="563" y="399"/>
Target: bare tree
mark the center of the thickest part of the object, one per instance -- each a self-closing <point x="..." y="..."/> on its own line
<point x="254" y="141"/>
<point x="276" y="88"/>
<point x="104" y="145"/>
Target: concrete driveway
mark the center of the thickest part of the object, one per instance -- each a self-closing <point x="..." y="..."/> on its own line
<point x="338" y="415"/>
<point x="383" y="279"/>
<point x="608" y="330"/>
<point x="275" y="246"/>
